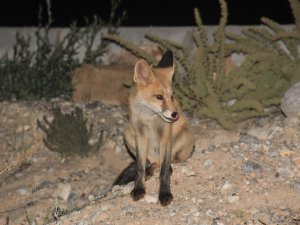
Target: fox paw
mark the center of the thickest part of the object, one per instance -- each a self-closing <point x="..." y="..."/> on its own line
<point x="137" y="194"/>
<point x="165" y="198"/>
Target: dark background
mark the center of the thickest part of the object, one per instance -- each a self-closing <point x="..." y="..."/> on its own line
<point x="145" y="13"/>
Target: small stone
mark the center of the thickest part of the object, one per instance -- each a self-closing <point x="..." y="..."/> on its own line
<point x="91" y="198"/>
<point x="296" y="187"/>
<point x="285" y="172"/>
<point x="263" y="218"/>
<point x="188" y="171"/>
<point x="273" y="153"/>
<point x="93" y="141"/>
<point x="127" y="189"/>
<point x="249" y="140"/>
<point x="226" y="186"/>
<point x="106" y="207"/>
<point x="210" y="213"/>
<point x="233" y="198"/>
<point x="150" y="199"/>
<point x="22" y="191"/>
<point x="63" y="191"/>
<point x="286" y="153"/>
<point x="290" y="103"/>
<point x="118" y="149"/>
<point x="103" y="216"/>
<point x="264" y="133"/>
<point x="26" y="127"/>
<point x="296" y="160"/>
<point x="208" y="163"/>
<point x="117" y="115"/>
<point x="251" y="167"/>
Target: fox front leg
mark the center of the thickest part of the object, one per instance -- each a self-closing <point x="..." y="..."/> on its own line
<point x="165" y="196"/>
<point x="138" y="191"/>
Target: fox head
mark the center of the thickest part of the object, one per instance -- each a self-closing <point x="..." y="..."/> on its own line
<point x="154" y="88"/>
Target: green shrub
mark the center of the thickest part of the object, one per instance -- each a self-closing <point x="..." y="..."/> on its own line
<point x="46" y="72"/>
<point x="207" y="89"/>
<point x="68" y="134"/>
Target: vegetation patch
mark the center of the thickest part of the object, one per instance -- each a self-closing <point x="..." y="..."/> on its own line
<point x="68" y="134"/>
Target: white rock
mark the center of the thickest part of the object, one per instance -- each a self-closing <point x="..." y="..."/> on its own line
<point x="188" y="171"/>
<point x="150" y="199"/>
<point x="118" y="149"/>
<point x="226" y="186"/>
<point x="290" y="103"/>
<point x="127" y="189"/>
<point x="22" y="191"/>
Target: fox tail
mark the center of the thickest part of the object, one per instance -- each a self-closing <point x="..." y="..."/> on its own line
<point x="129" y="173"/>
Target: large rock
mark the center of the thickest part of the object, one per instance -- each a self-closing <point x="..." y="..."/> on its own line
<point x="107" y="84"/>
<point x="290" y="104"/>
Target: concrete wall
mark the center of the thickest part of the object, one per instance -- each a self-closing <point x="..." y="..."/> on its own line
<point x="132" y="34"/>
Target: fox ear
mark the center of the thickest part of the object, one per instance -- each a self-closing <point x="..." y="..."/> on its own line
<point x="142" y="73"/>
<point x="166" y="66"/>
<point x="166" y="60"/>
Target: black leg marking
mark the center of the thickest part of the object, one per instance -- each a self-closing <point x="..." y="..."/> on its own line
<point x="165" y="196"/>
<point x="138" y="191"/>
<point x="138" y="194"/>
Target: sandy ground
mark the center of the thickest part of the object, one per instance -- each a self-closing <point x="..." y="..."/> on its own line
<point x="250" y="175"/>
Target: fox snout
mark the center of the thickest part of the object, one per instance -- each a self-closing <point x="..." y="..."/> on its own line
<point x="170" y="116"/>
<point x="175" y="116"/>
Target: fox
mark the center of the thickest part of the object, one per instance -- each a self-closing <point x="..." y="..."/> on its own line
<point x="157" y="133"/>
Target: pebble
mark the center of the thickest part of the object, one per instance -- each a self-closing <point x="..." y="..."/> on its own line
<point x="127" y="189"/>
<point x="296" y="160"/>
<point x="208" y="163"/>
<point x="249" y="140"/>
<point x="22" y="128"/>
<point x="262" y="218"/>
<point x="296" y="187"/>
<point x="188" y="171"/>
<point x="251" y="167"/>
<point x="22" y="191"/>
<point x="106" y="207"/>
<point x="63" y="191"/>
<point x="233" y="198"/>
<point x="290" y="104"/>
<point x="210" y="213"/>
<point x="150" y="199"/>
<point x="286" y="153"/>
<point x="226" y="186"/>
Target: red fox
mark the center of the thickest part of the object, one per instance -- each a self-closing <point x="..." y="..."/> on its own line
<point x="157" y="133"/>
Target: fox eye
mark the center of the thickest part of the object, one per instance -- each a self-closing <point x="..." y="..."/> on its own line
<point x="159" y="97"/>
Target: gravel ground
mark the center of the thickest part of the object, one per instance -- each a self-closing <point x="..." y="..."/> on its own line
<point x="250" y="175"/>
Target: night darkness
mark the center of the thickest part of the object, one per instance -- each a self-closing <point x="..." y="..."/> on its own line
<point x="147" y="13"/>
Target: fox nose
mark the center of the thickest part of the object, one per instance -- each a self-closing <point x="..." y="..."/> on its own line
<point x="175" y="115"/>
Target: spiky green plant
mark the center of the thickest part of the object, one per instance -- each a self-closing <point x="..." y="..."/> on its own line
<point x="45" y="72"/>
<point x="272" y="46"/>
<point x="207" y="89"/>
<point x="68" y="134"/>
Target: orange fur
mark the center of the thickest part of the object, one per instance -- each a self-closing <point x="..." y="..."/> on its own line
<point x="157" y="130"/>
